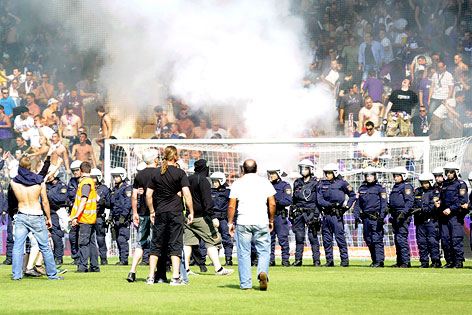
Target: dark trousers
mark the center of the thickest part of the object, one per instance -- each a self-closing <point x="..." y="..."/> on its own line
<point x="226" y="238"/>
<point x="87" y="248"/>
<point x="452" y="239"/>
<point x="427" y="238"/>
<point x="74" y="242"/>
<point x="400" y="231"/>
<point x="57" y="237"/>
<point x="281" y="231"/>
<point x="373" y="237"/>
<point x="100" y="231"/>
<point x="10" y="241"/>
<point x="299" y="229"/>
<point x="122" y="238"/>
<point x="334" y="226"/>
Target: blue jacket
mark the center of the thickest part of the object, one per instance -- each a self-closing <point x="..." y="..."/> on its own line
<point x="335" y="191"/>
<point x="453" y="194"/>
<point x="372" y="199"/>
<point x="120" y="201"/>
<point x="72" y="189"/>
<point x="105" y="195"/>
<point x="424" y="199"/>
<point x="220" y="198"/>
<point x="304" y="194"/>
<point x="401" y="198"/>
<point x="377" y="51"/>
<point x="57" y="195"/>
<point x="283" y="195"/>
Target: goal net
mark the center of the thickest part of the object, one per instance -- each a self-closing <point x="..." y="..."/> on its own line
<point x="417" y="154"/>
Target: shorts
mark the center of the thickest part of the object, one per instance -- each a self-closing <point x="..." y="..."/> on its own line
<point x="168" y="226"/>
<point x="398" y="122"/>
<point x="144" y="232"/>
<point x="199" y="229"/>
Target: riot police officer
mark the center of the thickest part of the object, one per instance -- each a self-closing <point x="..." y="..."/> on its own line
<point x="453" y="196"/>
<point x="400" y="203"/>
<point x="370" y="206"/>
<point x="220" y="196"/>
<point x="438" y="174"/>
<point x="57" y="197"/>
<point x="103" y="202"/>
<point x="71" y="191"/>
<point x="120" y="203"/>
<point x="426" y="221"/>
<point x="304" y="212"/>
<point x="331" y="196"/>
<point x="283" y="199"/>
<point x="469" y="206"/>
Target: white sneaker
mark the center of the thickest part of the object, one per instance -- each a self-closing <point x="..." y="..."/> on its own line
<point x="191" y="273"/>
<point x="150" y="280"/>
<point x="224" y="272"/>
<point x="178" y="281"/>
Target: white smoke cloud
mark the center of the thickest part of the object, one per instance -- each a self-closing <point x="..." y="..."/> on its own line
<point x="249" y="55"/>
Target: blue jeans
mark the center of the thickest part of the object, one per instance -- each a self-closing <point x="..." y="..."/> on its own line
<point x="243" y="236"/>
<point x="23" y="225"/>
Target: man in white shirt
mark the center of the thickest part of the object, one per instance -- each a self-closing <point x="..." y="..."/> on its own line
<point x="370" y="112"/>
<point x="34" y="133"/>
<point x="442" y="87"/>
<point x="215" y="129"/>
<point x="253" y="193"/>
<point x="23" y="121"/>
<point x="371" y="150"/>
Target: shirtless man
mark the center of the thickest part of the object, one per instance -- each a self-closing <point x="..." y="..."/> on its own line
<point x="83" y="151"/>
<point x="105" y="130"/>
<point x="69" y="126"/>
<point x="59" y="151"/>
<point x="27" y="188"/>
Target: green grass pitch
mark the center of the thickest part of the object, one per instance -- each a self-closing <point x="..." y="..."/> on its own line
<point x="295" y="290"/>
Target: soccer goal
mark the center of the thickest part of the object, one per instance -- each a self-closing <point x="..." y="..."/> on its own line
<point x="417" y="154"/>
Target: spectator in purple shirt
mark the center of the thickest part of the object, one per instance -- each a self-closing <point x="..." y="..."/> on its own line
<point x="425" y="84"/>
<point x="374" y="87"/>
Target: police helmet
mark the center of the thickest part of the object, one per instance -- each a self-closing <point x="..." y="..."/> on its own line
<point x="118" y="171"/>
<point x="306" y="163"/>
<point x="277" y="170"/>
<point x="451" y="166"/>
<point x="470" y="176"/>
<point x="369" y="170"/>
<point x="426" y="177"/>
<point x="75" y="165"/>
<point x="438" y="171"/>
<point x="95" y="172"/>
<point x="400" y="170"/>
<point x="331" y="167"/>
<point x="219" y="176"/>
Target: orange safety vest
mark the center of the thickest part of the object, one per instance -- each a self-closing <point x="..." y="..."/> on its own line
<point x="89" y="215"/>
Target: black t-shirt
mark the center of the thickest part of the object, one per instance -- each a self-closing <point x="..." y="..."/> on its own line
<point x="369" y="56"/>
<point x="141" y="181"/>
<point x="166" y="187"/>
<point x="403" y="101"/>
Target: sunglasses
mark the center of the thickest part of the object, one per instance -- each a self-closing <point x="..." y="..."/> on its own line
<point x="369" y="129"/>
<point x="422" y="110"/>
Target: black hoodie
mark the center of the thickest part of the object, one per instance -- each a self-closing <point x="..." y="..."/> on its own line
<point x="201" y="190"/>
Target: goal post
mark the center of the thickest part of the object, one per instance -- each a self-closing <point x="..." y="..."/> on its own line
<point x="417" y="154"/>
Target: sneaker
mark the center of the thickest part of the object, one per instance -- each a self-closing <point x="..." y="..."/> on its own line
<point x="316" y="263"/>
<point x="178" y="281"/>
<point x="272" y="264"/>
<point x="203" y="268"/>
<point x="150" y="280"/>
<point x="379" y="264"/>
<point x="263" y="281"/>
<point x="81" y="271"/>
<point x="40" y="269"/>
<point x="103" y="261"/>
<point x="61" y="271"/>
<point x="58" y="262"/>
<point x="329" y="264"/>
<point x="405" y="265"/>
<point x="122" y="263"/>
<point x="32" y="273"/>
<point x="131" y="277"/>
<point x="7" y="262"/>
<point x="74" y="262"/>
<point x="344" y="264"/>
<point x="191" y="273"/>
<point x="58" y="278"/>
<point x="229" y="261"/>
<point x="297" y="263"/>
<point x="448" y="265"/>
<point x="93" y="269"/>
<point x="286" y="263"/>
<point x="458" y="265"/>
<point x="436" y="264"/>
<point x="224" y="272"/>
<point x="425" y="265"/>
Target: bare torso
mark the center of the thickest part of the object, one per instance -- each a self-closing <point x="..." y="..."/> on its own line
<point x="28" y="198"/>
<point x="83" y="152"/>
